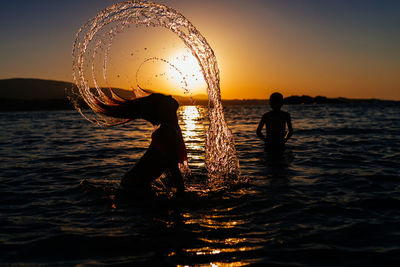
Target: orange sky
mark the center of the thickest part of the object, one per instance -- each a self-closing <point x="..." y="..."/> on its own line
<point x="334" y="48"/>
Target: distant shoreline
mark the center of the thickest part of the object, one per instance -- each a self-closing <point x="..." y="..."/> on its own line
<point x="36" y="94"/>
<point x="10" y="105"/>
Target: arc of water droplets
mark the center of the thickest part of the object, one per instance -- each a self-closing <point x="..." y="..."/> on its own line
<point x="185" y="85"/>
<point x="221" y="158"/>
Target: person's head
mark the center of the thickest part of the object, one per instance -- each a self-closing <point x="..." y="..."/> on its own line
<point x="155" y="108"/>
<point x="160" y="109"/>
<point x="276" y="101"/>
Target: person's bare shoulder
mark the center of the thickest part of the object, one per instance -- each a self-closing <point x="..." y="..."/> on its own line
<point x="267" y="114"/>
<point x="264" y="117"/>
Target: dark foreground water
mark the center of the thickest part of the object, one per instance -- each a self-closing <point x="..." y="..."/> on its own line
<point x="336" y="203"/>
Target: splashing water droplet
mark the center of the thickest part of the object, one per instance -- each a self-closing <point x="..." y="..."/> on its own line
<point x="221" y="158"/>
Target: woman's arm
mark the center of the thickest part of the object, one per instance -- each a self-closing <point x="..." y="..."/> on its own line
<point x="177" y="179"/>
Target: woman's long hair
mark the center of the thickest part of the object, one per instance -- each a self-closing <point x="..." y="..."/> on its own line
<point x="155" y="108"/>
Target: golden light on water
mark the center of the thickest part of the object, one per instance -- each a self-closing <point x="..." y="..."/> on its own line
<point x="215" y="222"/>
<point x="191" y="120"/>
<point x="190" y="116"/>
<point x="226" y="247"/>
<point x="224" y="264"/>
<point x="227" y="241"/>
<point x="214" y="251"/>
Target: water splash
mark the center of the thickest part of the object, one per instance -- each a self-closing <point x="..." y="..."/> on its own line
<point x="221" y="158"/>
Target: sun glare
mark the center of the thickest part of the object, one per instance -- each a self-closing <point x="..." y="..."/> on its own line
<point x="190" y="117"/>
<point x="193" y="132"/>
<point x="185" y="71"/>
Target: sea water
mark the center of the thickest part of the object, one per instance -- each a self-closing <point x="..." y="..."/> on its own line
<point x="334" y="203"/>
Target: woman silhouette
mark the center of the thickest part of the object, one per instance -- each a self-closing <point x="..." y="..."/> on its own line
<point x="167" y="149"/>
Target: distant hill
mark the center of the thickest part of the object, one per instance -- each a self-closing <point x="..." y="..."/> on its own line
<point x="33" y="94"/>
<point x="33" y="89"/>
<point x="304" y="99"/>
<point x="38" y="94"/>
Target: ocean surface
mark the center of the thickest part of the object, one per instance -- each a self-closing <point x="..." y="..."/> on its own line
<point x="334" y="200"/>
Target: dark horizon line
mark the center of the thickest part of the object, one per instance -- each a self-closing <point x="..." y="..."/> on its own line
<point x="205" y="95"/>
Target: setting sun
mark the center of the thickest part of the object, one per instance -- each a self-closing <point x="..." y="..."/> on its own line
<point x="184" y="71"/>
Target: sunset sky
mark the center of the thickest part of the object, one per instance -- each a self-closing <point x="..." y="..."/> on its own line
<point x="348" y="48"/>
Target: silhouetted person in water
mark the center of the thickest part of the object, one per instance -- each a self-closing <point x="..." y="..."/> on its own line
<point x="167" y="149"/>
<point x="275" y="122"/>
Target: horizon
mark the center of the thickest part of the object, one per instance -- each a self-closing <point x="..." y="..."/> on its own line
<point x="199" y="96"/>
<point x="333" y="49"/>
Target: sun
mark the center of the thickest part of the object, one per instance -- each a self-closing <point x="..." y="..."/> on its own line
<point x="184" y="72"/>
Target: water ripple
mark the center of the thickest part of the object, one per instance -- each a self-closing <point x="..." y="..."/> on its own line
<point x="334" y="203"/>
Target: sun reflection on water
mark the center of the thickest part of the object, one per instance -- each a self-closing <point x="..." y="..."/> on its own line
<point x="213" y="251"/>
<point x="221" y="247"/>
<point x="191" y="120"/>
